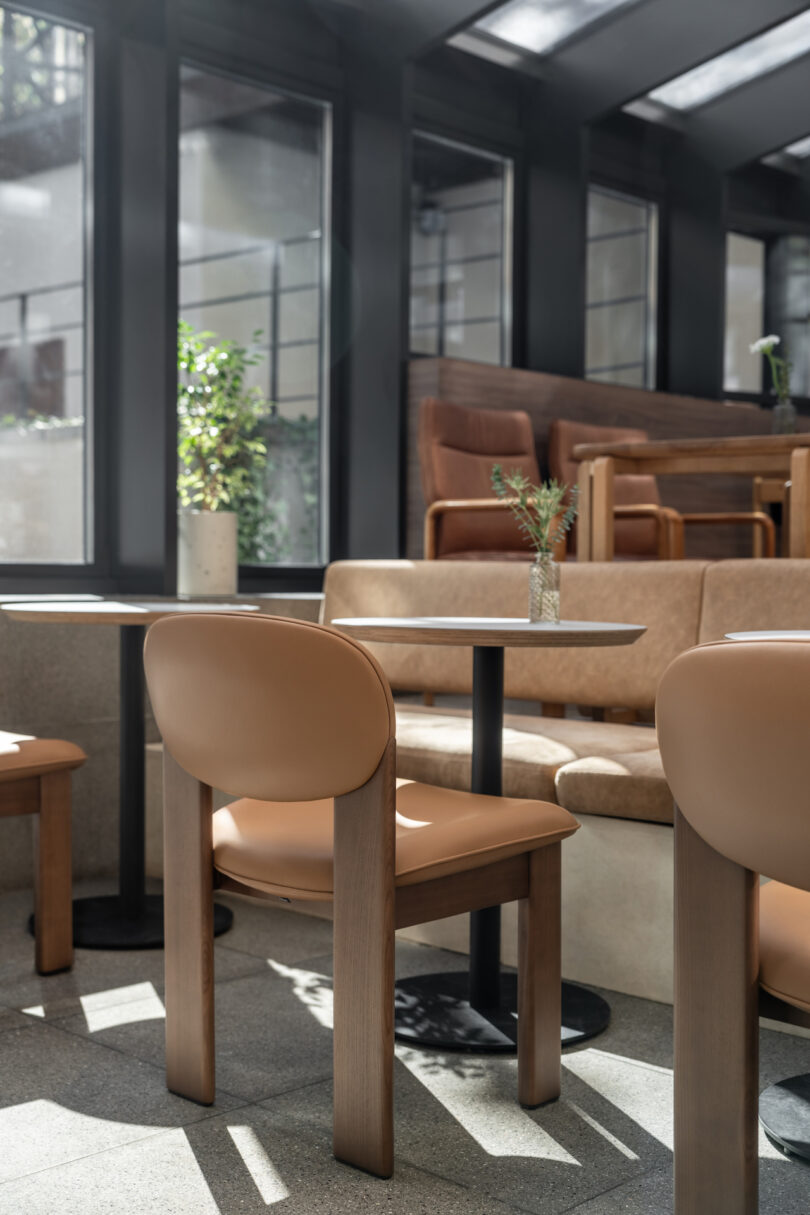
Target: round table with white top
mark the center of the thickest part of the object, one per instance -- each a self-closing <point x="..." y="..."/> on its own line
<point x="132" y="919"/>
<point x="477" y="1012"/>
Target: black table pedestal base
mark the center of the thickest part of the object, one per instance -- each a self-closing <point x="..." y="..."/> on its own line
<point x="101" y="923"/>
<point x="433" y="1010"/>
<point x="784" y="1111"/>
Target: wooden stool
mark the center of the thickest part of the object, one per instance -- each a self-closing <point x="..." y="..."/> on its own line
<point x="35" y="779"/>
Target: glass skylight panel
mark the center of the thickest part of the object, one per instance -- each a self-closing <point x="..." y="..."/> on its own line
<point x="745" y="62"/>
<point x="540" y="25"/>
<point x="800" y="149"/>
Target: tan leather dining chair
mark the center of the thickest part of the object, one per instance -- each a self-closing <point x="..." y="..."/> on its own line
<point x="296" y="720"/>
<point x="35" y="780"/>
<point x="733" y="721"/>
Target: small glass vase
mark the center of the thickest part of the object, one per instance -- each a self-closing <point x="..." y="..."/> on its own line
<point x="783" y="421"/>
<point x="544" y="590"/>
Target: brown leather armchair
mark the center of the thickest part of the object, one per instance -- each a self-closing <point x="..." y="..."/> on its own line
<point x="457" y="449"/>
<point x="644" y="527"/>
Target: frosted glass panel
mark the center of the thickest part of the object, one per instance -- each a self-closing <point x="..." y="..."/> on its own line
<point x="745" y="301"/>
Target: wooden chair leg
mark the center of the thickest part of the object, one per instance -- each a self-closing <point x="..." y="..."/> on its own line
<point x="189" y="930"/>
<point x="716" y="1030"/>
<point x="539" y="981"/>
<point x="364" y="973"/>
<point x="53" y="908"/>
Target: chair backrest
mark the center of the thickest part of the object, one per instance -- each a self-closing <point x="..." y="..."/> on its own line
<point x="457" y="449"/>
<point x="633" y="537"/>
<point x="733" y="723"/>
<point x="663" y="595"/>
<point x="265" y="707"/>
<point x="744" y="595"/>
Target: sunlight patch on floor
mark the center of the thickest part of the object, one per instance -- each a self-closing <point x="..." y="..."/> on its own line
<point x="261" y="1168"/>
<point x="122" y="1006"/>
<point x="313" y="990"/>
<point x="474" y="1093"/>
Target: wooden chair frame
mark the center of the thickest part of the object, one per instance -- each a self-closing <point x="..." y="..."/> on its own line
<point x="368" y="908"/>
<point x="47" y="799"/>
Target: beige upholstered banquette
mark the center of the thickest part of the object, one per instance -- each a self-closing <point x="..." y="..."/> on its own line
<point x="589" y="767"/>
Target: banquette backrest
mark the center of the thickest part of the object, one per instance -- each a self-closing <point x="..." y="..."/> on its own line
<point x="664" y="596"/>
<point x="764" y="594"/>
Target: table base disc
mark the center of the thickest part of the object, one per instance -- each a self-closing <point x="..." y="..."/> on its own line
<point x="99" y="923"/>
<point x="433" y="1010"/>
<point x="784" y="1111"/>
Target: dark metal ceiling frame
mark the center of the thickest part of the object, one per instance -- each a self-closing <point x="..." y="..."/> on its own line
<point x="638" y="48"/>
<point x="757" y="118"/>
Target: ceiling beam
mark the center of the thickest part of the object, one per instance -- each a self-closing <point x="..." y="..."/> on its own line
<point x="652" y="42"/>
<point x="408" y="28"/>
<point x="755" y="119"/>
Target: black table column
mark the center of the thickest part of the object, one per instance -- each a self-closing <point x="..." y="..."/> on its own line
<point x="487" y="764"/>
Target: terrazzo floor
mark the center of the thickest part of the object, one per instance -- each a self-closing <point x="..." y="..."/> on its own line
<point x="88" y="1128"/>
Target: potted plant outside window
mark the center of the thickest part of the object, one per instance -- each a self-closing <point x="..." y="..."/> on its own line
<point x="222" y="458"/>
<point x="544" y="519"/>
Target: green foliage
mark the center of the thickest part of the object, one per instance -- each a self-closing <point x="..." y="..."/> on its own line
<point x="539" y="509"/>
<point x="237" y="453"/>
<point x="218" y="418"/>
<point x="35" y="422"/>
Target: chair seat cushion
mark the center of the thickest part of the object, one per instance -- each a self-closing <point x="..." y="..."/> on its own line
<point x="286" y="847"/>
<point x="21" y="755"/>
<point x="784" y="943"/>
<point x="630" y="785"/>
<point x="435" y="745"/>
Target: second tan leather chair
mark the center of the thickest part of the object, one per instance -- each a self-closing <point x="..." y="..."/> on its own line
<point x="733" y="721"/>
<point x="296" y="720"/>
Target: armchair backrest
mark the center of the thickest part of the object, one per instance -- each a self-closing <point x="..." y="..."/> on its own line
<point x="733" y="721"/>
<point x="268" y="708"/>
<point x="457" y="449"/>
<point x="633" y="537"/>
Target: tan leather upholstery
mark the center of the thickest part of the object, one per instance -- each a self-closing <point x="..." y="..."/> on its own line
<point x="286" y="849"/>
<point x="633" y="537"/>
<point x="628" y="785"/>
<point x="733" y="731"/>
<point x="267" y="707"/>
<point x="21" y="755"/>
<point x="747" y="595"/>
<point x="784" y="943"/>
<point x="457" y="449"/>
<point x="664" y="596"/>
<point x="435" y="745"/>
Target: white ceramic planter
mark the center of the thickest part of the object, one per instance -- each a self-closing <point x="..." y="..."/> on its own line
<point x="207" y="563"/>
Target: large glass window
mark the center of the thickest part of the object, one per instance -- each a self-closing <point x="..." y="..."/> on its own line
<point x="44" y="389"/>
<point x="621" y="289"/>
<point x="789" y="295"/>
<point x="745" y="303"/>
<point x="253" y="255"/>
<point x="460" y="252"/>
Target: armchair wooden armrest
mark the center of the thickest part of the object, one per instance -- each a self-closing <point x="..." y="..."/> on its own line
<point x="666" y="525"/>
<point x="762" y="523"/>
<point x="449" y="506"/>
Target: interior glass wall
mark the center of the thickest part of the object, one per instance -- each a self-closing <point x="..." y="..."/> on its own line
<point x="621" y="289"/>
<point x="745" y="312"/>
<point x="789" y="297"/>
<point x="44" y="385"/>
<point x="254" y="248"/>
<point x="461" y="241"/>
